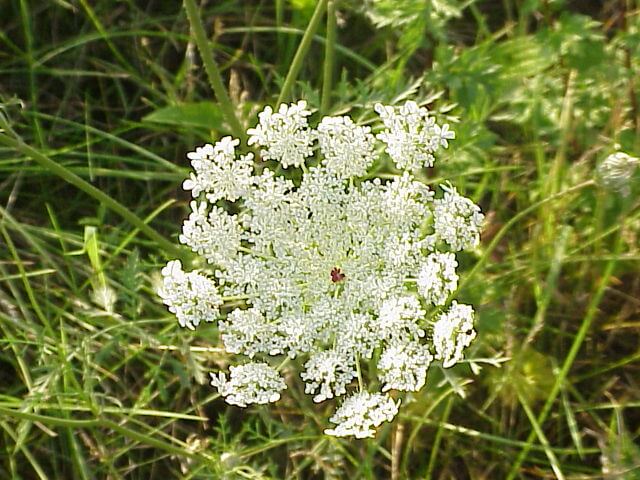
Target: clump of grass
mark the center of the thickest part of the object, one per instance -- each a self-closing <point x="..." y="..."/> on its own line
<point x="105" y="98"/>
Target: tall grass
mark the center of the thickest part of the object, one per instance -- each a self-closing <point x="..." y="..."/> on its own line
<point x="100" y="102"/>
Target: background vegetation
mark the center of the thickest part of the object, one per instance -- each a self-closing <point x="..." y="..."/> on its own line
<point x="101" y="100"/>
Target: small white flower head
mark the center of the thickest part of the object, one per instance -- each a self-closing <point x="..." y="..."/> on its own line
<point x="216" y="235"/>
<point x="616" y="172"/>
<point x="250" y="383"/>
<point x="328" y="373"/>
<point x="399" y="319"/>
<point x="412" y="135"/>
<point x="348" y="149"/>
<point x="218" y="172"/>
<point x="437" y="278"/>
<point x="457" y="220"/>
<point x="326" y="268"/>
<point x="452" y="333"/>
<point x="361" y="413"/>
<point x="191" y="296"/>
<point x="403" y="366"/>
<point x="247" y="332"/>
<point x="284" y="134"/>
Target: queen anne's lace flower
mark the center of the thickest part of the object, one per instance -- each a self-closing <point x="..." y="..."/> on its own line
<point x="412" y="135"/>
<point x="218" y="172"/>
<point x="323" y="268"/>
<point x="247" y="332"/>
<point x="192" y="297"/>
<point x="452" y="333"/>
<point x="403" y="366"/>
<point x="361" y="413"/>
<point x="457" y="220"/>
<point x="348" y="149"/>
<point x="249" y="383"/>
<point x="330" y="372"/>
<point x="398" y="319"/>
<point x="285" y="134"/>
<point x="216" y="235"/>
<point x="437" y="278"/>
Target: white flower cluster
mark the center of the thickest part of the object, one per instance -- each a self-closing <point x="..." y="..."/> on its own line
<point x="617" y="170"/>
<point x="412" y="135"/>
<point x="437" y="278"/>
<point x="330" y="269"/>
<point x="361" y="413"/>
<point x="192" y="297"/>
<point x="285" y="134"/>
<point x="452" y="333"/>
<point x="249" y="383"/>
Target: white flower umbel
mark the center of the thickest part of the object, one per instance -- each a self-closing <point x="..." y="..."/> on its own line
<point x="348" y="149"/>
<point x="284" y="134"/>
<point x="617" y="170"/>
<point x="452" y="333"/>
<point x="437" y="278"/>
<point x="399" y="319"/>
<point x="192" y="297"/>
<point x="412" y="135"/>
<point x="323" y="268"/>
<point x="218" y="172"/>
<point x="458" y="220"/>
<point x="247" y="332"/>
<point x="249" y="383"/>
<point x="330" y="372"/>
<point x="216" y="235"/>
<point x="403" y="366"/>
<point x="361" y="413"/>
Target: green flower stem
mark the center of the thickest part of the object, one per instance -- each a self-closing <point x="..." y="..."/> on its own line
<point x="215" y="79"/>
<point x="301" y="53"/>
<point x="592" y="309"/>
<point x="106" y="200"/>
<point x="537" y="429"/>
<point x="329" y="55"/>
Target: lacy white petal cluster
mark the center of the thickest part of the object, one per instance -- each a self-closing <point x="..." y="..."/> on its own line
<point x="284" y="134"/>
<point x="360" y="413"/>
<point x="329" y="372"/>
<point x="249" y="383"/>
<point x="458" y="220"/>
<point x="403" y="366"/>
<point x="334" y="271"/>
<point x="348" y="149"/>
<point x="192" y="297"/>
<point x="215" y="234"/>
<point x="412" y="135"/>
<point x="452" y="333"/>
<point x="438" y="278"/>
<point x="218" y="172"/>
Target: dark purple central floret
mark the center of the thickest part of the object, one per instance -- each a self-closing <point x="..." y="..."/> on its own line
<point x="336" y="275"/>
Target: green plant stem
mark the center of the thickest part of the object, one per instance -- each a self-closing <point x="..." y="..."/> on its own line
<point x="592" y="309"/>
<point x="436" y="443"/>
<point x="301" y="53"/>
<point x="215" y="79"/>
<point x="537" y="429"/>
<point x="106" y="200"/>
<point x="329" y="55"/>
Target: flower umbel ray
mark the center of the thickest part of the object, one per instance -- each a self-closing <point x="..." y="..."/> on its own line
<point x="327" y="266"/>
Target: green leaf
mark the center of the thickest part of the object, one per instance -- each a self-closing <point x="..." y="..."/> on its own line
<point x="197" y="114"/>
